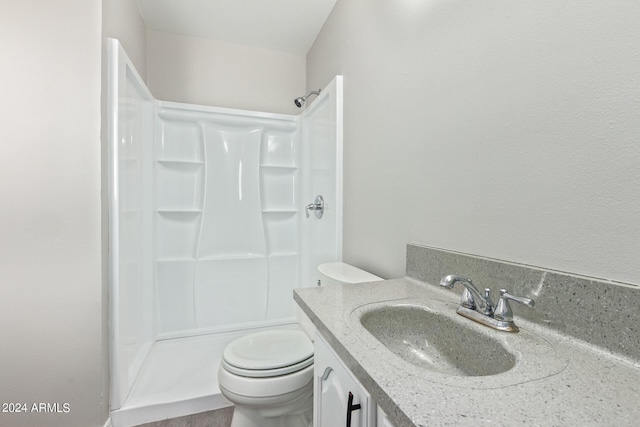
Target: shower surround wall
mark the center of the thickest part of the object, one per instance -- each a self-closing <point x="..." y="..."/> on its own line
<point x="226" y="194"/>
<point x="208" y="235"/>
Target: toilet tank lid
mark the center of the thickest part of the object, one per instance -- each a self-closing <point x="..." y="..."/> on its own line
<point x="346" y="273"/>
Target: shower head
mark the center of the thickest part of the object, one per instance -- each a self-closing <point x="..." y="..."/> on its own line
<point x="301" y="100"/>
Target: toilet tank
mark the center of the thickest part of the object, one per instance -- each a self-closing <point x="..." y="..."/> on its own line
<point x="335" y="273"/>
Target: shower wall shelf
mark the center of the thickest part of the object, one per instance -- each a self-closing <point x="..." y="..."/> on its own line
<point x="283" y="168"/>
<point x="169" y="212"/>
<point x="231" y="256"/>
<point x="168" y="260"/>
<point x="181" y="164"/>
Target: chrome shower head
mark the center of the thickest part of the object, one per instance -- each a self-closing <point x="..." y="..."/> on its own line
<point x="301" y="100"/>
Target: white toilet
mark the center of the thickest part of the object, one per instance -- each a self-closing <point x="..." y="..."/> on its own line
<point x="268" y="375"/>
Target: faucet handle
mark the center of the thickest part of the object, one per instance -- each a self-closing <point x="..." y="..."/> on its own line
<point x="466" y="300"/>
<point x="503" y="309"/>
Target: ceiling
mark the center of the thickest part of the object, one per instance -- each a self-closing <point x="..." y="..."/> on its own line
<point x="284" y="25"/>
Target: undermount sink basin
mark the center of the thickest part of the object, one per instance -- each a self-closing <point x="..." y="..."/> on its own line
<point x="435" y="342"/>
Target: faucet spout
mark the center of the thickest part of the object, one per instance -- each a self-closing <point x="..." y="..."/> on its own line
<point x="471" y="298"/>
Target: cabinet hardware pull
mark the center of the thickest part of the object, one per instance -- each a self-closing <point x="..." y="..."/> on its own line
<point x="350" y="408"/>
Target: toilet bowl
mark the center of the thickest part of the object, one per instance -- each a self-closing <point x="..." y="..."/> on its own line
<point x="268" y="375"/>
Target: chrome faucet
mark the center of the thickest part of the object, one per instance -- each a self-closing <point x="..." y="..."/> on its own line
<point x="480" y="308"/>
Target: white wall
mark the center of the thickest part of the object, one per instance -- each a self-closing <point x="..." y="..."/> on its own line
<point x="210" y="72"/>
<point x="50" y="260"/>
<point x="505" y="129"/>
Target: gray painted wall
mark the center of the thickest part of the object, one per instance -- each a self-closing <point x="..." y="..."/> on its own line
<point x="211" y="72"/>
<point x="504" y="129"/>
<point x="53" y="343"/>
<point x="122" y="21"/>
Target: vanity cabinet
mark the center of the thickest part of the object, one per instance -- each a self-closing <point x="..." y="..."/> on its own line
<point x="338" y="395"/>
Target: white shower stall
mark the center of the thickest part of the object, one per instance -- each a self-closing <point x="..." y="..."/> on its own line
<point x="208" y="234"/>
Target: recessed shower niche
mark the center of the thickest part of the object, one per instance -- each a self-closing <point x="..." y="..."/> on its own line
<point x="208" y="234"/>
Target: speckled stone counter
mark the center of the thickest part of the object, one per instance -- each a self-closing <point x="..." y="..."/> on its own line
<point x="577" y="384"/>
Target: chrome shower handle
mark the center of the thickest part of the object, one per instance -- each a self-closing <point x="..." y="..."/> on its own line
<point x="317" y="206"/>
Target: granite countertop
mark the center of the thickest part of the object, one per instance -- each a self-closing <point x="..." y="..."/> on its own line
<point x="566" y="382"/>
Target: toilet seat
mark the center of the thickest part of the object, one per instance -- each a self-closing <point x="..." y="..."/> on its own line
<point x="268" y="354"/>
<point x="266" y="373"/>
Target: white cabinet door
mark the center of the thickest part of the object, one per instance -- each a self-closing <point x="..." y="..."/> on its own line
<point x="338" y="395"/>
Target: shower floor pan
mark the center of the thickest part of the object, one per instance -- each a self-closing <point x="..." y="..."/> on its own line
<point x="179" y="377"/>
